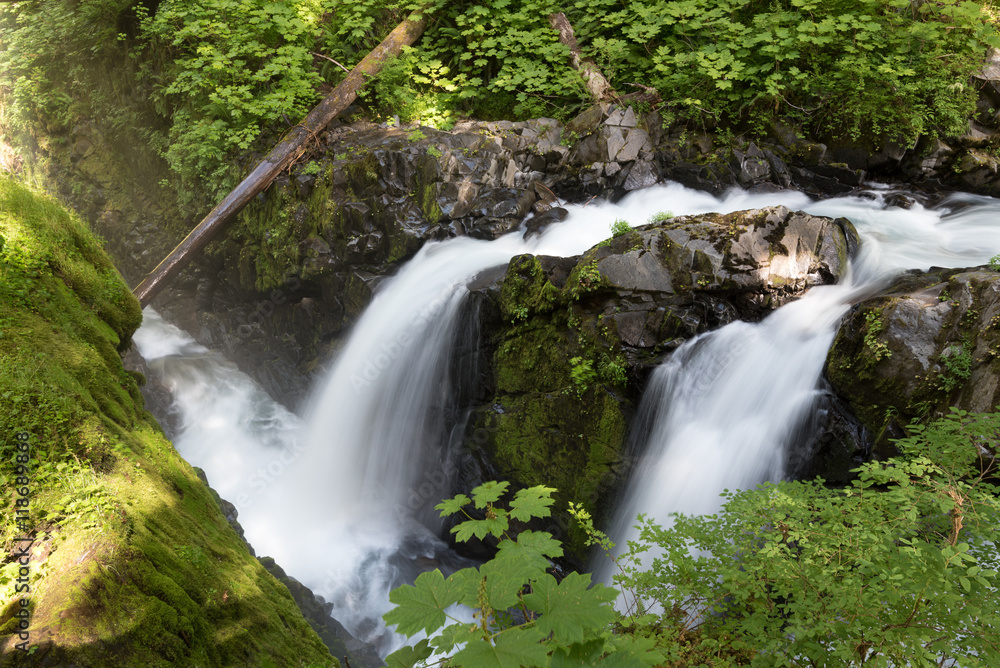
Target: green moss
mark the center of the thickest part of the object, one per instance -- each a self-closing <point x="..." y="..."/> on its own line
<point x="362" y="174"/>
<point x="571" y="443"/>
<point x="526" y="289"/>
<point x="534" y="357"/>
<point x="557" y="367"/>
<point x="132" y="562"/>
<point x="426" y="194"/>
<point x="268" y="234"/>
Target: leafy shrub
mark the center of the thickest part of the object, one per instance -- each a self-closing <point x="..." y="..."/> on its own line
<point x="872" y="69"/>
<point x="237" y="66"/>
<point x="873" y="328"/>
<point x="897" y="569"/>
<point x="660" y="217"/>
<point x="620" y="227"/>
<point x="523" y="615"/>
<point x="957" y="362"/>
<point x="582" y="373"/>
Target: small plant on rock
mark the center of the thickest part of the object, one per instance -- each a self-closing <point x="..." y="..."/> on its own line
<point x="957" y="362"/>
<point x="661" y="217"/>
<point x="620" y="227"/>
<point x="874" y="327"/>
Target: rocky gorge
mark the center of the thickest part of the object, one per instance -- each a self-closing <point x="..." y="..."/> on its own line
<point x="560" y="348"/>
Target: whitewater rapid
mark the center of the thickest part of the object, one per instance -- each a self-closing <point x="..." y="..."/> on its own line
<point x="336" y="496"/>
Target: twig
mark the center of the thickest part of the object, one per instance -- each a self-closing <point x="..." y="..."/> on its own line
<point x="320" y="55"/>
<point x="542" y="185"/>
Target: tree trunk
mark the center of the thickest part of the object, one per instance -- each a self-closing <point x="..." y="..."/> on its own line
<point x="281" y="156"/>
<point x="600" y="89"/>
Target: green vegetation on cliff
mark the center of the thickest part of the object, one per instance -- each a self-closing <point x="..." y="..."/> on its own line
<point x="128" y="559"/>
<point x="223" y="74"/>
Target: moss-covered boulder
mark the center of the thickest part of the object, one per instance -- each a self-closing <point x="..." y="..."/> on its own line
<point x="929" y="341"/>
<point x="576" y="337"/>
<point x="114" y="552"/>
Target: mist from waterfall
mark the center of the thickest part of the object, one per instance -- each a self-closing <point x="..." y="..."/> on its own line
<point x="337" y="497"/>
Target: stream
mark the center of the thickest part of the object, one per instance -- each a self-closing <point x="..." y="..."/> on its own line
<point x="341" y="496"/>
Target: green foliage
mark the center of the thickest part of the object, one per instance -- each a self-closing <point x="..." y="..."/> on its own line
<point x="660" y="218"/>
<point x="613" y="370"/>
<point x="236" y="67"/>
<point x="994" y="263"/>
<point x="46" y="51"/>
<point x="582" y="373"/>
<point x="957" y="362"/>
<point x="620" y="227"/>
<point x="876" y="70"/>
<point x="897" y="569"/>
<point x="587" y="279"/>
<point x="417" y="91"/>
<point x="523" y="615"/>
<point x="874" y="327"/>
<point x="873" y="69"/>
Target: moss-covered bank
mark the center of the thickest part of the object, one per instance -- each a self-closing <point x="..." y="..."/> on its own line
<point x="126" y="557"/>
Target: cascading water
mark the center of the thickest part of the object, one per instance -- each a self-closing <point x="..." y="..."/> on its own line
<point x="334" y="498"/>
<point x="724" y="409"/>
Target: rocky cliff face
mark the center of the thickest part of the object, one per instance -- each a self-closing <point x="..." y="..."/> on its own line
<point x="574" y="338"/>
<point x="276" y="294"/>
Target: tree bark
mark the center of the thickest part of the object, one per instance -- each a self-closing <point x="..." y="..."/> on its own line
<point x="281" y="156"/>
<point x="600" y="89"/>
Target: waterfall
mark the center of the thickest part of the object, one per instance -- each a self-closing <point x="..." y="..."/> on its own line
<point x="336" y="497"/>
<point x="722" y="412"/>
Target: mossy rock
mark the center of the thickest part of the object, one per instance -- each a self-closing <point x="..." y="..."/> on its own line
<point x="569" y="441"/>
<point x="130" y="561"/>
<point x="928" y="342"/>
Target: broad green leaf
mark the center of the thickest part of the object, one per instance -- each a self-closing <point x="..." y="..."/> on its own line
<point x="494" y="526"/>
<point x="408" y="657"/>
<point x="531" y="502"/>
<point x="489" y="492"/>
<point x="452" y="506"/>
<point x="578" y="654"/>
<point x="421" y="607"/>
<point x="503" y="584"/>
<point x="569" y="609"/>
<point x="528" y="557"/>
<point x="513" y="649"/>
<point x="456" y="634"/>
<point x="465" y="584"/>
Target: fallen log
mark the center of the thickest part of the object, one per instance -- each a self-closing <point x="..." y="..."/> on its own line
<point x="600" y="89"/>
<point x="280" y="157"/>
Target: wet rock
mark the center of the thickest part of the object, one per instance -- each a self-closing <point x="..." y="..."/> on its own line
<point x="751" y="165"/>
<point x="538" y="224"/>
<point x="839" y="443"/>
<point x="927" y="342"/>
<point x="575" y="337"/>
<point x="348" y="650"/>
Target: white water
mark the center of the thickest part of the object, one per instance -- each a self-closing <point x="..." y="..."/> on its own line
<point x="334" y="499"/>
<point x="726" y="406"/>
